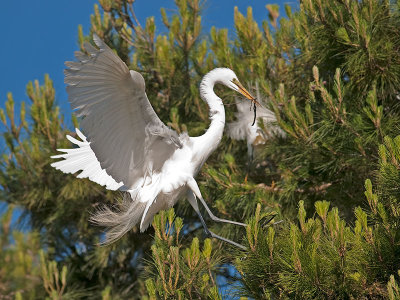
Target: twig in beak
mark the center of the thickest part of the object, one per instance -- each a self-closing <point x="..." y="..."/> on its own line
<point x="255" y="112"/>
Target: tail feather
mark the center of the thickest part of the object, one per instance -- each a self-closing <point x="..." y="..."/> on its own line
<point x="120" y="221"/>
<point x="133" y="209"/>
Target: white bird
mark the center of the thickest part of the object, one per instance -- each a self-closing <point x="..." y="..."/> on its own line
<point x="242" y="128"/>
<point x="127" y="147"/>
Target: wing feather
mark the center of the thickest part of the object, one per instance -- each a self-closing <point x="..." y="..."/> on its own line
<point x="83" y="159"/>
<point x="118" y="119"/>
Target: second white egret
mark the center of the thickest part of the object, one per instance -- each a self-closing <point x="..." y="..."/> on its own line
<point x="243" y="129"/>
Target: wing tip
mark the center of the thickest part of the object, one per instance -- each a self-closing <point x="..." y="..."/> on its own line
<point x="98" y="41"/>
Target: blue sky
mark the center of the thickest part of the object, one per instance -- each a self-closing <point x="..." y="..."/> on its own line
<point x="39" y="36"/>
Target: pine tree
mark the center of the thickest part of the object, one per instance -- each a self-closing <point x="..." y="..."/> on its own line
<point x="330" y="72"/>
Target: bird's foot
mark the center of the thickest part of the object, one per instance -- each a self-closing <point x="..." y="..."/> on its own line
<point x="265" y="220"/>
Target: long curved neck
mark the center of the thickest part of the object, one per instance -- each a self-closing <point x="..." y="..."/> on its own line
<point x="214" y="133"/>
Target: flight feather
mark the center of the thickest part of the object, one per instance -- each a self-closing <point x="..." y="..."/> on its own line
<point x="117" y="117"/>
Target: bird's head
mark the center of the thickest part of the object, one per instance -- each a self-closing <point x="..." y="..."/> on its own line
<point x="229" y="79"/>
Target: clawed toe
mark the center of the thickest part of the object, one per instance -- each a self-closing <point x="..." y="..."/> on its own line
<point x="265" y="220"/>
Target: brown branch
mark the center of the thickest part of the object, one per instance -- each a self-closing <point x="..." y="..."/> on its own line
<point x="316" y="189"/>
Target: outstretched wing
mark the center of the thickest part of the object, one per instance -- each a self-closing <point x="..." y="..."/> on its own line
<point x="83" y="159"/>
<point x="124" y="132"/>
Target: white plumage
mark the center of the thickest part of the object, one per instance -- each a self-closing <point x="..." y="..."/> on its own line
<point x="127" y="147"/>
<point x="242" y="128"/>
<point x="83" y="159"/>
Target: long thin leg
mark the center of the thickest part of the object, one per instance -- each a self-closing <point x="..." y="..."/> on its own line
<point x="250" y="153"/>
<point x="193" y="202"/>
<point x="215" y="218"/>
<point x="195" y="188"/>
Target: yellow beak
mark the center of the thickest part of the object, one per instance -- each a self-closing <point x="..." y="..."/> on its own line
<point x="245" y="92"/>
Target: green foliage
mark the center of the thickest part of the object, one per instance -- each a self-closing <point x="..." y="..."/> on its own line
<point x="19" y="263"/>
<point x="336" y="123"/>
<point x="323" y="257"/>
<point x="236" y="198"/>
<point x="393" y="288"/>
<point x="330" y="71"/>
<point x="178" y="272"/>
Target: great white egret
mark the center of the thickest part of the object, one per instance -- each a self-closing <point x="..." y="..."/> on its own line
<point x="127" y="147"/>
<point x="243" y="129"/>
